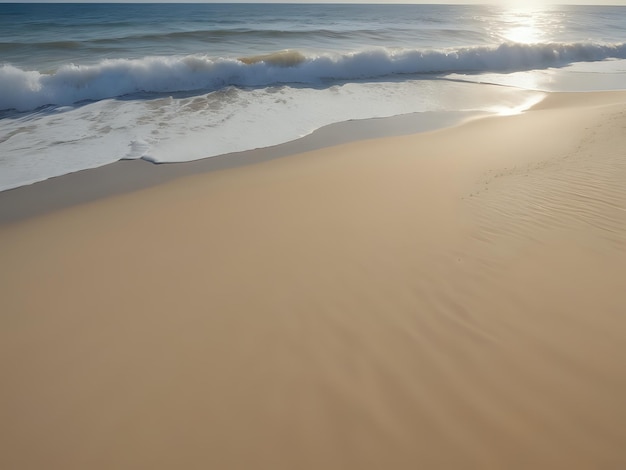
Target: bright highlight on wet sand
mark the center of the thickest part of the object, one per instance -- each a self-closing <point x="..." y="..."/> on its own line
<point x="367" y="297"/>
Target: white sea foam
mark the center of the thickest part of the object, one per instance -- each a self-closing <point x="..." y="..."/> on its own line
<point x="69" y="84"/>
<point x="52" y="142"/>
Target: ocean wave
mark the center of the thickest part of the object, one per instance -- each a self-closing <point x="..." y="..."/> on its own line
<point x="52" y="45"/>
<point x="212" y="34"/>
<point x="26" y="90"/>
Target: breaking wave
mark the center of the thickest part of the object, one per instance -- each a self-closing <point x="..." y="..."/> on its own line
<point x="26" y="90"/>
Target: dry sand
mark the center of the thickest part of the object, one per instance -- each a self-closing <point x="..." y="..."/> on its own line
<point x="448" y="300"/>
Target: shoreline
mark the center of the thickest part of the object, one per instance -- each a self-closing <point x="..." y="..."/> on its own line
<point x="449" y="299"/>
<point x="126" y="176"/>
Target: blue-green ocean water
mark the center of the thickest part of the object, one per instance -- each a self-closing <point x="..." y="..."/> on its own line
<point x="82" y="85"/>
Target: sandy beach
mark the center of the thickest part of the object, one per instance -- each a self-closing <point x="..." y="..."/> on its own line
<point x="453" y="299"/>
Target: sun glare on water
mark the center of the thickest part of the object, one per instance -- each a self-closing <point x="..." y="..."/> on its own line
<point x="523" y="34"/>
<point x="526" y="25"/>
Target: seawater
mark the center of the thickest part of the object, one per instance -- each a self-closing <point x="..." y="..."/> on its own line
<point x="83" y="85"/>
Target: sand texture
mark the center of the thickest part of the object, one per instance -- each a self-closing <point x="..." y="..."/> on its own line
<point x="448" y="300"/>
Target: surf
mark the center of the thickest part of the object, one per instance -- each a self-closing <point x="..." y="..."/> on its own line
<point x="25" y="90"/>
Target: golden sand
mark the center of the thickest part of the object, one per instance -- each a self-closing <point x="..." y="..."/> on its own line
<point x="448" y="300"/>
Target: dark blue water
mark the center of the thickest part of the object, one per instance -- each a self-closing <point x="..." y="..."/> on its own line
<point x="43" y="36"/>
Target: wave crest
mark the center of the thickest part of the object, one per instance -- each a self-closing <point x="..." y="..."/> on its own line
<point x="287" y="58"/>
<point x="25" y="90"/>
